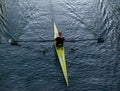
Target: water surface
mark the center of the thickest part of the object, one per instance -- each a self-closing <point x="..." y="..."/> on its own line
<point x="34" y="66"/>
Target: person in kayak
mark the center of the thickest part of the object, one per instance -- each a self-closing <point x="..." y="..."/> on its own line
<point x="59" y="41"/>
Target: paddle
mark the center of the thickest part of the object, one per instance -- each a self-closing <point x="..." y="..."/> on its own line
<point x="15" y="42"/>
<point x="99" y="40"/>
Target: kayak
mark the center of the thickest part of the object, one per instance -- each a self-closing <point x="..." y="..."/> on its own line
<point x="61" y="56"/>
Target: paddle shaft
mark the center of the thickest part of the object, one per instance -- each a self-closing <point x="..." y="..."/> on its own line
<point x="99" y="40"/>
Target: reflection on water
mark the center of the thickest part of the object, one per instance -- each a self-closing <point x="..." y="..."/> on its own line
<point x="1" y="18"/>
<point x="4" y="27"/>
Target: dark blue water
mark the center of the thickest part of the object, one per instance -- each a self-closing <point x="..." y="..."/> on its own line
<point x="34" y="66"/>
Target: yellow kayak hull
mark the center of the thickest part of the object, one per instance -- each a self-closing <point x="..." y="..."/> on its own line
<point x="61" y="56"/>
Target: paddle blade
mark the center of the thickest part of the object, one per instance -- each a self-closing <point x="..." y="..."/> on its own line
<point x="100" y="40"/>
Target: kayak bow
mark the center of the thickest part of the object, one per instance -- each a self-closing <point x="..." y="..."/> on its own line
<point x="61" y="56"/>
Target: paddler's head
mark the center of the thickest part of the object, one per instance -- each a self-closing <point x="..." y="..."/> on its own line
<point x="60" y="34"/>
